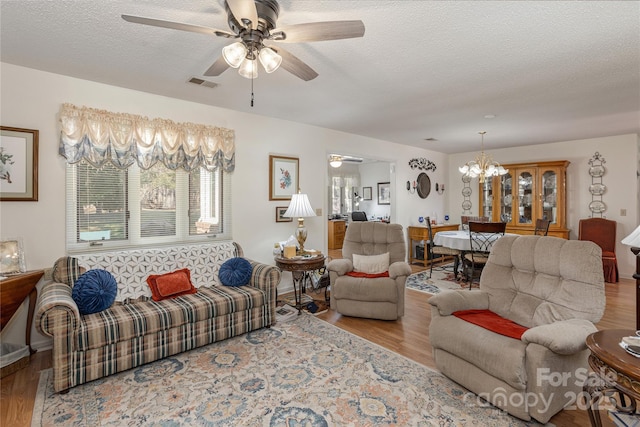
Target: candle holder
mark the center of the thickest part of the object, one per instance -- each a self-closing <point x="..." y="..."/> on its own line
<point x="411" y="189"/>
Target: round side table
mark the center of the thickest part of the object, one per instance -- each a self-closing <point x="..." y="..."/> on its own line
<point x="616" y="372"/>
<point x="299" y="267"/>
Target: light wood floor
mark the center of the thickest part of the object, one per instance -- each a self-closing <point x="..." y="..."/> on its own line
<point x="408" y="336"/>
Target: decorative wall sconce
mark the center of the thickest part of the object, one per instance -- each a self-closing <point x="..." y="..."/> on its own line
<point x="411" y="188"/>
<point x="439" y="188"/>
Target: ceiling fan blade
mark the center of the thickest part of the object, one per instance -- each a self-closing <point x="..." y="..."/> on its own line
<point x="294" y="65"/>
<point x="318" y="31"/>
<point x="218" y="67"/>
<point x="244" y="10"/>
<point x="178" y="26"/>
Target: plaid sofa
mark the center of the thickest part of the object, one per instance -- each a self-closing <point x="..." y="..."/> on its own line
<point x="137" y="330"/>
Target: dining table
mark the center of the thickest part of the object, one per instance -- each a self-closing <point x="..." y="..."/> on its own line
<point x="458" y="239"/>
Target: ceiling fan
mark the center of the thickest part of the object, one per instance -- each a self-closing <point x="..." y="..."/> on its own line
<point x="335" y="160"/>
<point x="254" y="23"/>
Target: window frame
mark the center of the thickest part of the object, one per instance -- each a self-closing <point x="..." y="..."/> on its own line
<point x="221" y="200"/>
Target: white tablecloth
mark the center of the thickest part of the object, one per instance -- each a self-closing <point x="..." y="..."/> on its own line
<point x="453" y="239"/>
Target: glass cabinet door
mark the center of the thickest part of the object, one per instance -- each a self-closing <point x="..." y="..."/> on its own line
<point x="506" y="196"/>
<point x="487" y="198"/>
<point x="549" y="195"/>
<point x="526" y="197"/>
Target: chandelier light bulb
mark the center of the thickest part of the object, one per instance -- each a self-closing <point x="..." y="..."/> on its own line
<point x="269" y="59"/>
<point x="234" y="54"/>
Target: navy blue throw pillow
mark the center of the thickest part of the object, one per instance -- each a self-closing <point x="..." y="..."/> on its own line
<point x="235" y="272"/>
<point x="94" y="291"/>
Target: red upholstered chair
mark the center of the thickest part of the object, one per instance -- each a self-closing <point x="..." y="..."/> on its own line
<point x="603" y="233"/>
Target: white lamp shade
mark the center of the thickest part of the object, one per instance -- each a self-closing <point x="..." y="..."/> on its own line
<point x="269" y="59"/>
<point x="248" y="69"/>
<point x="299" y="207"/>
<point x="234" y="54"/>
<point x="633" y="239"/>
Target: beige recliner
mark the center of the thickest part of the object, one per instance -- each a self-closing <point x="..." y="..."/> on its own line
<point x="374" y="298"/>
<point x="553" y="287"/>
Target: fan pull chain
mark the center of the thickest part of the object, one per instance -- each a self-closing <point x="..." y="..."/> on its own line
<point x="252" y="91"/>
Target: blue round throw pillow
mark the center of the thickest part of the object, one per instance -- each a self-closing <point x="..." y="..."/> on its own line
<point x="94" y="291"/>
<point x="235" y="272"/>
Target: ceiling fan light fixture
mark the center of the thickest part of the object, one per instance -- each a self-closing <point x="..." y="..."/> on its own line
<point x="234" y="54"/>
<point x="335" y="161"/>
<point x="269" y="59"/>
<point x="248" y="69"/>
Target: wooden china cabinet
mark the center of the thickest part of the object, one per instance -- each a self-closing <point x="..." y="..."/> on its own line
<point x="529" y="191"/>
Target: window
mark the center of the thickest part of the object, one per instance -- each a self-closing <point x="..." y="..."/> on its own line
<point x="113" y="207"/>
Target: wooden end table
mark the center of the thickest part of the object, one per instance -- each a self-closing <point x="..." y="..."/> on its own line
<point x="299" y="267"/>
<point x="13" y="291"/>
<point x="616" y="372"/>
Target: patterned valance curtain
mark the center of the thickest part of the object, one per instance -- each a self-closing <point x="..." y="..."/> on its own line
<point x="100" y="136"/>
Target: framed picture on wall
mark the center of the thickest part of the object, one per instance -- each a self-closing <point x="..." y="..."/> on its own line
<point x="384" y="193"/>
<point x="283" y="177"/>
<point x="11" y="257"/>
<point x="366" y="193"/>
<point x="280" y="210"/>
<point x="18" y="164"/>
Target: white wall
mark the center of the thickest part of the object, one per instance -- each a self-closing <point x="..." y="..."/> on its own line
<point x="370" y="175"/>
<point x="621" y="155"/>
<point x="31" y="99"/>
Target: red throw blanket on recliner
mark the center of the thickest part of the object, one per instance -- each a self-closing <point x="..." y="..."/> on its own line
<point x="493" y="322"/>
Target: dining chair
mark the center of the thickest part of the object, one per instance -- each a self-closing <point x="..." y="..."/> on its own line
<point x="542" y="227"/>
<point x="464" y="220"/>
<point x="442" y="253"/>
<point x="602" y="232"/>
<point x="358" y="216"/>
<point x="482" y="235"/>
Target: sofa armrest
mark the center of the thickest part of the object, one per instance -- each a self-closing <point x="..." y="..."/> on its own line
<point x="449" y="302"/>
<point x="55" y="300"/>
<point x="340" y="266"/>
<point x="399" y="268"/>
<point x="266" y="277"/>
<point x="563" y="337"/>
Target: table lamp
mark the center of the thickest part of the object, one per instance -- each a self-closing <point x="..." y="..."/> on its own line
<point x="633" y="240"/>
<point x="300" y="208"/>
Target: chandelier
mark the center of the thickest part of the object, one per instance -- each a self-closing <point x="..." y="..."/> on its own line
<point x="483" y="166"/>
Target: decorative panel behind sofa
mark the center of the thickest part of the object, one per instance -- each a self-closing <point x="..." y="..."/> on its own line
<point x="132" y="267"/>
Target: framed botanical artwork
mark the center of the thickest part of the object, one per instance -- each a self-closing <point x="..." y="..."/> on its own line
<point x="18" y="164"/>
<point x="384" y="193"/>
<point x="283" y="177"/>
<point x="366" y="193"/>
<point x="280" y="210"/>
<point x="11" y="257"/>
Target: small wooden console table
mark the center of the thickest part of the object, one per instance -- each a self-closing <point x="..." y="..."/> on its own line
<point x="419" y="233"/>
<point x="13" y="291"/>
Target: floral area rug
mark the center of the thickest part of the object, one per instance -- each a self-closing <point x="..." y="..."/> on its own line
<point x="441" y="280"/>
<point x="305" y="372"/>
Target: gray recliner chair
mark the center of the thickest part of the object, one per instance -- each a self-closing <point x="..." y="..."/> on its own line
<point x="554" y="290"/>
<point x="374" y="298"/>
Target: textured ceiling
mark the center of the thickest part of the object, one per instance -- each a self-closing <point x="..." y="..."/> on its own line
<point x="548" y="70"/>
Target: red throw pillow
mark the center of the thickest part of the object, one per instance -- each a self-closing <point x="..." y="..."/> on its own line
<point x="493" y="322"/>
<point x="171" y="285"/>
<point x="367" y="275"/>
